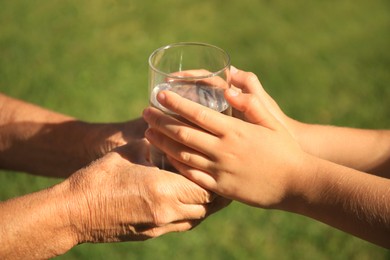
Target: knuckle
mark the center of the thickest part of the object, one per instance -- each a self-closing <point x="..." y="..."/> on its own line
<point x="182" y="134"/>
<point x="251" y="105"/>
<point x="185" y="156"/>
<point x="252" y="100"/>
<point x="251" y="78"/>
<point x="160" y="208"/>
<point x="201" y="115"/>
<point x="160" y="217"/>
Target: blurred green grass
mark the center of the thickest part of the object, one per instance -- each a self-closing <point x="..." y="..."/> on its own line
<point x="323" y="61"/>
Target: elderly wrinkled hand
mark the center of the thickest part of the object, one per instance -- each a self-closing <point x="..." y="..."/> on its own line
<point x="116" y="200"/>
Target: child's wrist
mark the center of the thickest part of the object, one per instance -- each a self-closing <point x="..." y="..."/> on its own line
<point x="301" y="186"/>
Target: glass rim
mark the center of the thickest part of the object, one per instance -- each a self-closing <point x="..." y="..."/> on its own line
<point x="172" y="45"/>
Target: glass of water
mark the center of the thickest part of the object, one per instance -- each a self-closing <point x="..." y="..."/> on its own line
<point x="197" y="71"/>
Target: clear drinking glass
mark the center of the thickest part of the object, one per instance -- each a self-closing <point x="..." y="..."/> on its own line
<point x="197" y="71"/>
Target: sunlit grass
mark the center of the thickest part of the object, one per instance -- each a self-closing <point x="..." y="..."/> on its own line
<point x="324" y="62"/>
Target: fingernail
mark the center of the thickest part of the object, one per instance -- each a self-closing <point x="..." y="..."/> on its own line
<point x="233" y="70"/>
<point x="146" y="113"/>
<point x="232" y="92"/>
<point x="161" y="97"/>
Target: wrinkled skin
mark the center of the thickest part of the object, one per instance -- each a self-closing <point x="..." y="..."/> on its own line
<point x="121" y="201"/>
<point x="119" y="197"/>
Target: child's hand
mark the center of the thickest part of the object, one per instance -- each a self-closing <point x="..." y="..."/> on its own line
<point x="248" y="83"/>
<point x="257" y="163"/>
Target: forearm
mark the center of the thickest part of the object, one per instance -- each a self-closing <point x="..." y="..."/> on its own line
<point x="364" y="150"/>
<point x="43" y="142"/>
<point x="14" y="110"/>
<point x="352" y="201"/>
<point x="33" y="139"/>
<point x="36" y="226"/>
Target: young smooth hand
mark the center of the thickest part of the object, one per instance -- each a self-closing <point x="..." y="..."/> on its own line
<point x="255" y="163"/>
<point x="365" y="150"/>
<point x="260" y="163"/>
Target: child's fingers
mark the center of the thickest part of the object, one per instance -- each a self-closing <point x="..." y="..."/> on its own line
<point x="249" y="83"/>
<point x="180" y="131"/>
<point x="177" y="150"/>
<point x="246" y="81"/>
<point x="206" y="118"/>
<point x="201" y="178"/>
<point x="252" y="108"/>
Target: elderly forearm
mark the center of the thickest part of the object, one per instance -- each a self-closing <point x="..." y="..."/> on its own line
<point x="36" y="226"/>
<point x="39" y="141"/>
<point x="16" y="111"/>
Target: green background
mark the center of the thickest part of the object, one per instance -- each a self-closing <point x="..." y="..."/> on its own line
<point x="324" y="62"/>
